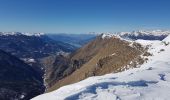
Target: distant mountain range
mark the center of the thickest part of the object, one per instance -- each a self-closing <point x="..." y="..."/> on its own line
<point x="20" y="33"/>
<point x="31" y="45"/>
<point x="145" y="35"/>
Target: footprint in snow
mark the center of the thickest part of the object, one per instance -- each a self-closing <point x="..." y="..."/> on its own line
<point x="150" y="68"/>
<point x="162" y="77"/>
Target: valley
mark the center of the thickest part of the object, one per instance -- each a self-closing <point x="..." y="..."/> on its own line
<point x="54" y="64"/>
<point x="84" y="50"/>
<point x="32" y="49"/>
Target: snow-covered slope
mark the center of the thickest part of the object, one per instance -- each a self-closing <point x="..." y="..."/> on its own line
<point x="149" y="82"/>
<point x="167" y="39"/>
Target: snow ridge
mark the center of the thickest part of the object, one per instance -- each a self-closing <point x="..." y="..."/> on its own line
<point x="142" y="32"/>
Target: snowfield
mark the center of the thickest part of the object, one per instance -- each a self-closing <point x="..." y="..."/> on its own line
<point x="149" y="82"/>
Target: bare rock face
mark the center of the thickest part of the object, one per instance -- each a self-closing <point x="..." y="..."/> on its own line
<point x="18" y="81"/>
<point x="100" y="56"/>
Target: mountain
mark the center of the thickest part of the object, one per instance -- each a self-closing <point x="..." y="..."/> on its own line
<point x="78" y="40"/>
<point x="31" y="48"/>
<point x="18" y="80"/>
<point x="145" y="35"/>
<point x="31" y="45"/>
<point x="149" y="81"/>
<point x="20" y="33"/>
<point x="103" y="55"/>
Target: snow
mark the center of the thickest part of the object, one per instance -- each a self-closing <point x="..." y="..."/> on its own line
<point x="33" y="34"/>
<point x="107" y="35"/>
<point x="167" y="39"/>
<point x="149" y="82"/>
<point x="29" y="60"/>
<point x="112" y="54"/>
<point x="20" y="33"/>
<point x="144" y="32"/>
<point x="22" y="96"/>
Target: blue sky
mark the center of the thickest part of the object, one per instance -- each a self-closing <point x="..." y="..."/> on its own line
<point x="79" y="16"/>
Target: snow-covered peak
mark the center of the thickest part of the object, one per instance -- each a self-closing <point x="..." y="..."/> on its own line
<point x="145" y="35"/>
<point x="106" y="35"/>
<point x="20" y="33"/>
<point x="33" y="34"/>
<point x="143" y="32"/>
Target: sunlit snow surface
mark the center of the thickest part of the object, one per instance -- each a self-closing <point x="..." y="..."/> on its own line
<point x="149" y="82"/>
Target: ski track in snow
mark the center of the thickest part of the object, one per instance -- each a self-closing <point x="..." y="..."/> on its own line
<point x="149" y="82"/>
